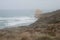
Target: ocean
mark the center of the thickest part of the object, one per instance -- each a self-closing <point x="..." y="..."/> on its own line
<point x="13" y="18"/>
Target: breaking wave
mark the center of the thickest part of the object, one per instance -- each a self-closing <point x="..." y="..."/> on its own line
<point x="16" y="21"/>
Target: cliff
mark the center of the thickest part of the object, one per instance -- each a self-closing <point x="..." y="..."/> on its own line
<point x="47" y="27"/>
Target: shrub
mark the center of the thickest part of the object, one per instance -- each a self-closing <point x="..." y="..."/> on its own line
<point x="44" y="38"/>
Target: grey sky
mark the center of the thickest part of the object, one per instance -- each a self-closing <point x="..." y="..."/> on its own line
<point x="30" y="4"/>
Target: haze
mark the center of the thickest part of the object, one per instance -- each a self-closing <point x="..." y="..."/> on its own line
<point x="29" y="4"/>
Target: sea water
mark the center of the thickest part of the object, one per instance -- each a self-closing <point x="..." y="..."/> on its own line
<point x="12" y="18"/>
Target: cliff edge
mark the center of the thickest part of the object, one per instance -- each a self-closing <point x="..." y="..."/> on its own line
<point x="47" y="27"/>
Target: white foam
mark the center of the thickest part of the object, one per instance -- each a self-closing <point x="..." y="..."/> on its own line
<point x="12" y="21"/>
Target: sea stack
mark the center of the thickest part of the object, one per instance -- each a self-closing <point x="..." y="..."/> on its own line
<point x="37" y="13"/>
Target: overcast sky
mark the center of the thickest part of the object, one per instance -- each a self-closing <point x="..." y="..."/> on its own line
<point x="30" y="4"/>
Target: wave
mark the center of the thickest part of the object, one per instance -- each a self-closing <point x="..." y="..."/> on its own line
<point x="16" y="21"/>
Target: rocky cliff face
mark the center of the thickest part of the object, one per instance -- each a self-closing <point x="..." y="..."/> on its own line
<point x="48" y="18"/>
